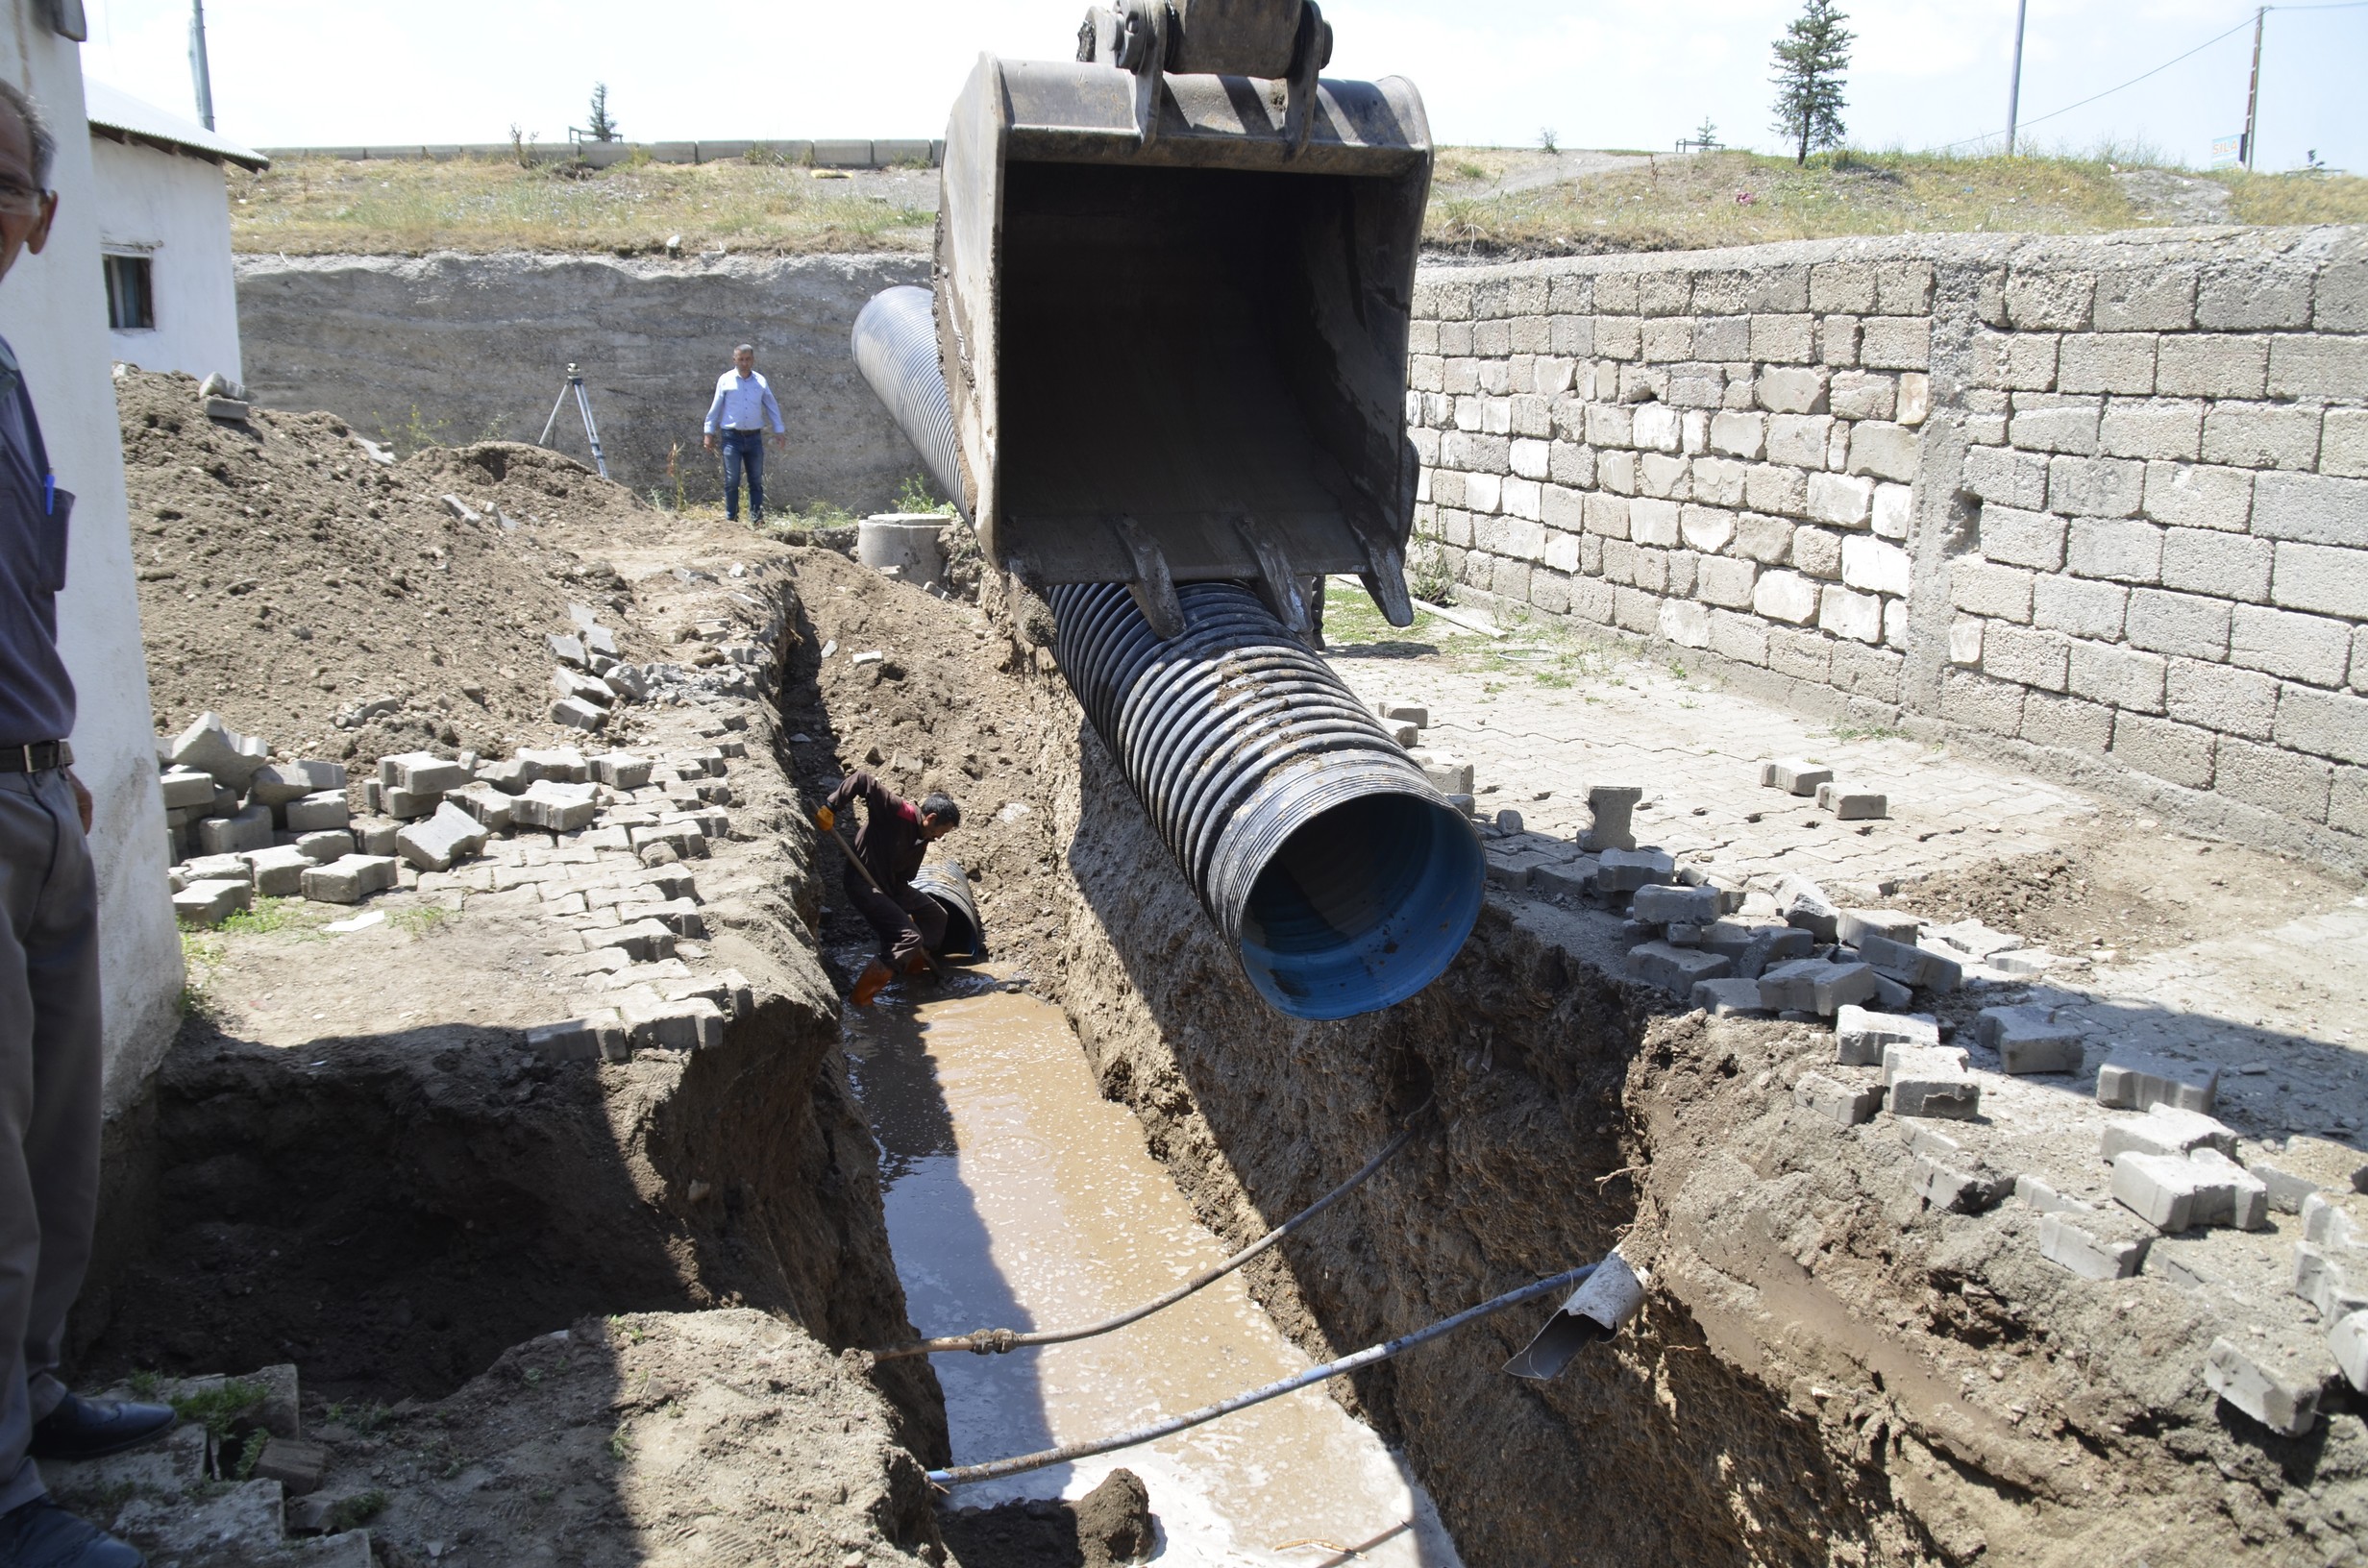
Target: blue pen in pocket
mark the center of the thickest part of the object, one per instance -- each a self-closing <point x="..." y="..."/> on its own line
<point x="49" y="494"/>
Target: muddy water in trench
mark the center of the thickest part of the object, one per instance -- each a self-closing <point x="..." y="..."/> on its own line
<point x="1019" y="1198"/>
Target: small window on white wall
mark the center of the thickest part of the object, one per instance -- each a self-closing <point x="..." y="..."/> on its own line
<point x="130" y="297"/>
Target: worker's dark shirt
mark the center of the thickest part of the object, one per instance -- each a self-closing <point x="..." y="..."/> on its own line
<point x="890" y="841"/>
<point x="36" y="696"/>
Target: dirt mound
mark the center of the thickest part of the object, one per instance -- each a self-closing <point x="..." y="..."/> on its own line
<point x="1108" y="1526"/>
<point x="288" y="577"/>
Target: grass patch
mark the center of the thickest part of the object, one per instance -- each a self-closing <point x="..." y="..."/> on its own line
<point x="417" y="923"/>
<point x="353" y="1512"/>
<point x="215" y="1408"/>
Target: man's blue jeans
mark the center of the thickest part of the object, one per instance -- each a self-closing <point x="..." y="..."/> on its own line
<point x="744" y="450"/>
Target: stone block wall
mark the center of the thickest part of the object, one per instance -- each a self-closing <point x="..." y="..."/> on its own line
<point x="2103" y="501"/>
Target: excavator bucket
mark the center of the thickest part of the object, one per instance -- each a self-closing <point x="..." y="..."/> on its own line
<point x="1171" y="294"/>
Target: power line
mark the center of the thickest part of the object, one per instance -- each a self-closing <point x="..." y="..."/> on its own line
<point x="2324" y="5"/>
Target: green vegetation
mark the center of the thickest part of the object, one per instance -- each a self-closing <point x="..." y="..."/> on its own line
<point x="1810" y="58"/>
<point x="918" y="495"/>
<point x="215" y="1408"/>
<point x="353" y="1512"/>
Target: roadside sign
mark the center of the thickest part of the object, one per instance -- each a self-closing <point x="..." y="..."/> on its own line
<point x="2228" y="152"/>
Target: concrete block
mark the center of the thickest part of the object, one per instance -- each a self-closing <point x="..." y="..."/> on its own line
<point x="1955" y="1187"/>
<point x="1847" y="501"/>
<point x="2275" y="1379"/>
<point x="1751" y="946"/>
<point x="277" y="873"/>
<point x="559" y="764"/>
<point x="687" y="1025"/>
<point x="621" y="769"/>
<point x="567" y="649"/>
<point x="2135" y="1083"/>
<point x="277" y="783"/>
<point x="437" y="842"/>
<point x="555" y="807"/>
<point x="2234" y="1197"/>
<point x="1846" y="1105"/>
<point x="376" y="836"/>
<point x="1661" y="904"/>
<point x="576" y="713"/>
<point x="1794" y="776"/>
<point x="2091" y="1245"/>
<point x="1802" y="903"/>
<point x="322" y="812"/>
<point x="596" y="1036"/>
<point x="1861" y="1034"/>
<point x="1625" y="871"/>
<point x="2165" y="1130"/>
<point x="211" y="746"/>
<point x="249" y="829"/>
<point x="405" y="805"/>
<point x="214" y="901"/>
<point x="186" y="788"/>
<point x="421" y="773"/>
<point x="2348" y="1339"/>
<point x="1855" y="925"/>
<point x="1675" y="969"/>
<point x="1612" y="806"/>
<point x="1447" y="773"/>
<point x="1931" y="1081"/>
<point x="1912" y="966"/>
<point x="215" y="869"/>
<point x="1811" y="985"/>
<point x="2029" y="1040"/>
<point x="350" y="879"/>
<point x="568" y="683"/>
<point x="2160" y="1188"/>
<point x="1851" y="804"/>
<point x="1728" y="997"/>
<point x="627" y="683"/>
<point x="325" y="845"/>
<point x="493" y="810"/>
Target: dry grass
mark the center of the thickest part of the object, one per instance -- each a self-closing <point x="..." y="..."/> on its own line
<point x="2294" y="199"/>
<point x="315" y="206"/>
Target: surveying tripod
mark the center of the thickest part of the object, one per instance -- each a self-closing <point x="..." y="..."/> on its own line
<point x="584" y="407"/>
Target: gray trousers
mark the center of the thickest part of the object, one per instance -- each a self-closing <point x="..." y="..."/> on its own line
<point x="49" y="1101"/>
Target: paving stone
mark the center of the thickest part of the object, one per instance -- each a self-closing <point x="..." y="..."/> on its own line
<point x="376" y="836"/>
<point x="314" y="813"/>
<point x="681" y="916"/>
<point x="2235" y="1198"/>
<point x="2275" y="1378"/>
<point x="211" y="746"/>
<point x="578" y="714"/>
<point x="2134" y="1083"/>
<point x="1860" y="1034"/>
<point x="215" y="869"/>
<point x="2046" y="1199"/>
<point x="641" y="940"/>
<point x="491" y="809"/>
<point x="597" y="1035"/>
<point x="684" y="1026"/>
<point x="559" y="764"/>
<point x="349" y="878"/>
<point x="1803" y="903"/>
<point x="1853" y="804"/>
<point x="1754" y="944"/>
<point x="1931" y="1081"/>
<point x="435" y="843"/>
<point x="570" y="685"/>
<point x="2305" y="1165"/>
<point x="1956" y="1189"/>
<point x="421" y="773"/>
<point x="236" y="835"/>
<point x="186" y="788"/>
<point x="1613" y="807"/>
<point x="1398" y="710"/>
<point x="295" y="1464"/>
<point x="567" y="650"/>
<point x="1794" y="776"/>
<point x="1855" y="925"/>
<point x="621" y="769"/>
<point x="325" y="845"/>
<point x="1912" y="966"/>
<point x="1846" y="1105"/>
<point x="1674" y="969"/>
<point x="2093" y="1245"/>
<point x="2165" y="1130"/>
<point x="2029" y="1040"/>
<point x="1728" y="997"/>
<point x="2348" y="1340"/>
<point x="627" y="683"/>
<point x="1447" y="773"/>
<point x="554" y="807"/>
<point x="1812" y="985"/>
<point x="2160" y="1188"/>
<point x="212" y="903"/>
<point x="1625" y="871"/>
<point x="408" y="805"/>
<point x="1664" y="904"/>
<point x="277" y="783"/>
<point x="1973" y="939"/>
<point x="277" y="873"/>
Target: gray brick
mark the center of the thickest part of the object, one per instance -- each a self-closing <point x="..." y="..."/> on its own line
<point x="1979" y="588"/>
<point x="2121" y="677"/>
<point x="2347" y="804"/>
<point x="1725" y="581"/>
<point x="1667" y="339"/>
<point x="1904" y="288"/>
<point x="2247" y="296"/>
<point x="1799" y="439"/>
<point x="2046" y="299"/>
<point x="1770" y="488"/>
<point x="2012" y="478"/>
<point x="1888" y="452"/>
<point x="1718" y="482"/>
<point x="2030" y="658"/>
<point x="2359" y="659"/>
<point x="2321" y="577"/>
<point x="2226" y="565"/>
<point x="1618" y="337"/>
<point x="2016" y="362"/>
<point x="2297" y="647"/>
<point x="2209" y="365"/>
<point x="1896" y="343"/>
<point x="2079" y="606"/>
<point x="2045" y="422"/>
<point x="2175" y="752"/>
<point x="2189" y="625"/>
<point x="1816" y="553"/>
<point x="1768" y="540"/>
<point x="2068" y="723"/>
<point x="2275" y="780"/>
<point x="2156" y="427"/>
<point x="2342" y="298"/>
<point x="2096" y="487"/>
<point x="2021" y="538"/>
<point x="1841" y="286"/>
<point x="2324" y="724"/>
<point x="1792" y="391"/>
<point x="2232" y="701"/>
<point x="1980" y="702"/>
<point x="2146" y="300"/>
<point x="1722" y="338"/>
<point x="2106" y="362"/>
<point x="1858" y="394"/>
<point x="2123" y="549"/>
<point x="2343" y="445"/>
<point x="2262" y="435"/>
<point x="2318" y="367"/>
<point x="2313" y="508"/>
<point x="1568" y="463"/>
<point x="2200" y="498"/>
<point x="1837" y="341"/>
<point x="1784" y="340"/>
<point x="1608" y="516"/>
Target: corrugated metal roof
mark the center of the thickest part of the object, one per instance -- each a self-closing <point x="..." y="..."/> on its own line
<point x="113" y="109"/>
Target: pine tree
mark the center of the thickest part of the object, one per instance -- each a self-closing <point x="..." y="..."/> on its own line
<point x="1810" y="60"/>
<point x="600" y="127"/>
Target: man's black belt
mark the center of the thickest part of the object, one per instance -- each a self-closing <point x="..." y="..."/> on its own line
<point x="38" y="758"/>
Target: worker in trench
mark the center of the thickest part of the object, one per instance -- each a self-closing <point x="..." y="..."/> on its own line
<point x="896" y="834"/>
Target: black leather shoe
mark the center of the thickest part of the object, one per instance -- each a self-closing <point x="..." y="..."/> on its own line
<point x="42" y="1535"/>
<point x="90" y="1428"/>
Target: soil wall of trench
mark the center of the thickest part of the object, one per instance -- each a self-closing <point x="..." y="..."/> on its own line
<point x="1824" y="1372"/>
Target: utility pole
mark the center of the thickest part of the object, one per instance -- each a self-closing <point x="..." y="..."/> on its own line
<point x="2253" y="88"/>
<point x="199" y="73"/>
<point x="2014" y="88"/>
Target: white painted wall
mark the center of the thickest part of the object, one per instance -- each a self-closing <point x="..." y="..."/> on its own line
<point x="53" y="310"/>
<point x="172" y="209"/>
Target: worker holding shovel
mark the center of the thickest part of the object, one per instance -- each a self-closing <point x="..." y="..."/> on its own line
<point x="878" y="879"/>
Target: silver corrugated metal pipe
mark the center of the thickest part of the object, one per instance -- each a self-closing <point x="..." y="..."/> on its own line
<point x="1344" y="881"/>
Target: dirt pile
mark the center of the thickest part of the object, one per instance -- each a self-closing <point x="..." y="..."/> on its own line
<point x="286" y="576"/>
<point x="1108" y="1526"/>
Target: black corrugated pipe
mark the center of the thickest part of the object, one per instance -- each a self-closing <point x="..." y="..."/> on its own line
<point x="896" y="348"/>
<point x="950" y="884"/>
<point x="1345" y="882"/>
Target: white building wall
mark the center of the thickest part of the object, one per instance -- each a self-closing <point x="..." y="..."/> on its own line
<point x="173" y="209"/>
<point x="53" y="310"/>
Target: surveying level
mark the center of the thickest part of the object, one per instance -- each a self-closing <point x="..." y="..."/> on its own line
<point x="583" y="405"/>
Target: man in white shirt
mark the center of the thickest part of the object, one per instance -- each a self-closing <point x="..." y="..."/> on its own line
<point x="737" y="418"/>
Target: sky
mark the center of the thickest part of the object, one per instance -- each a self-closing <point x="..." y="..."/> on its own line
<point x="1927" y="73"/>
